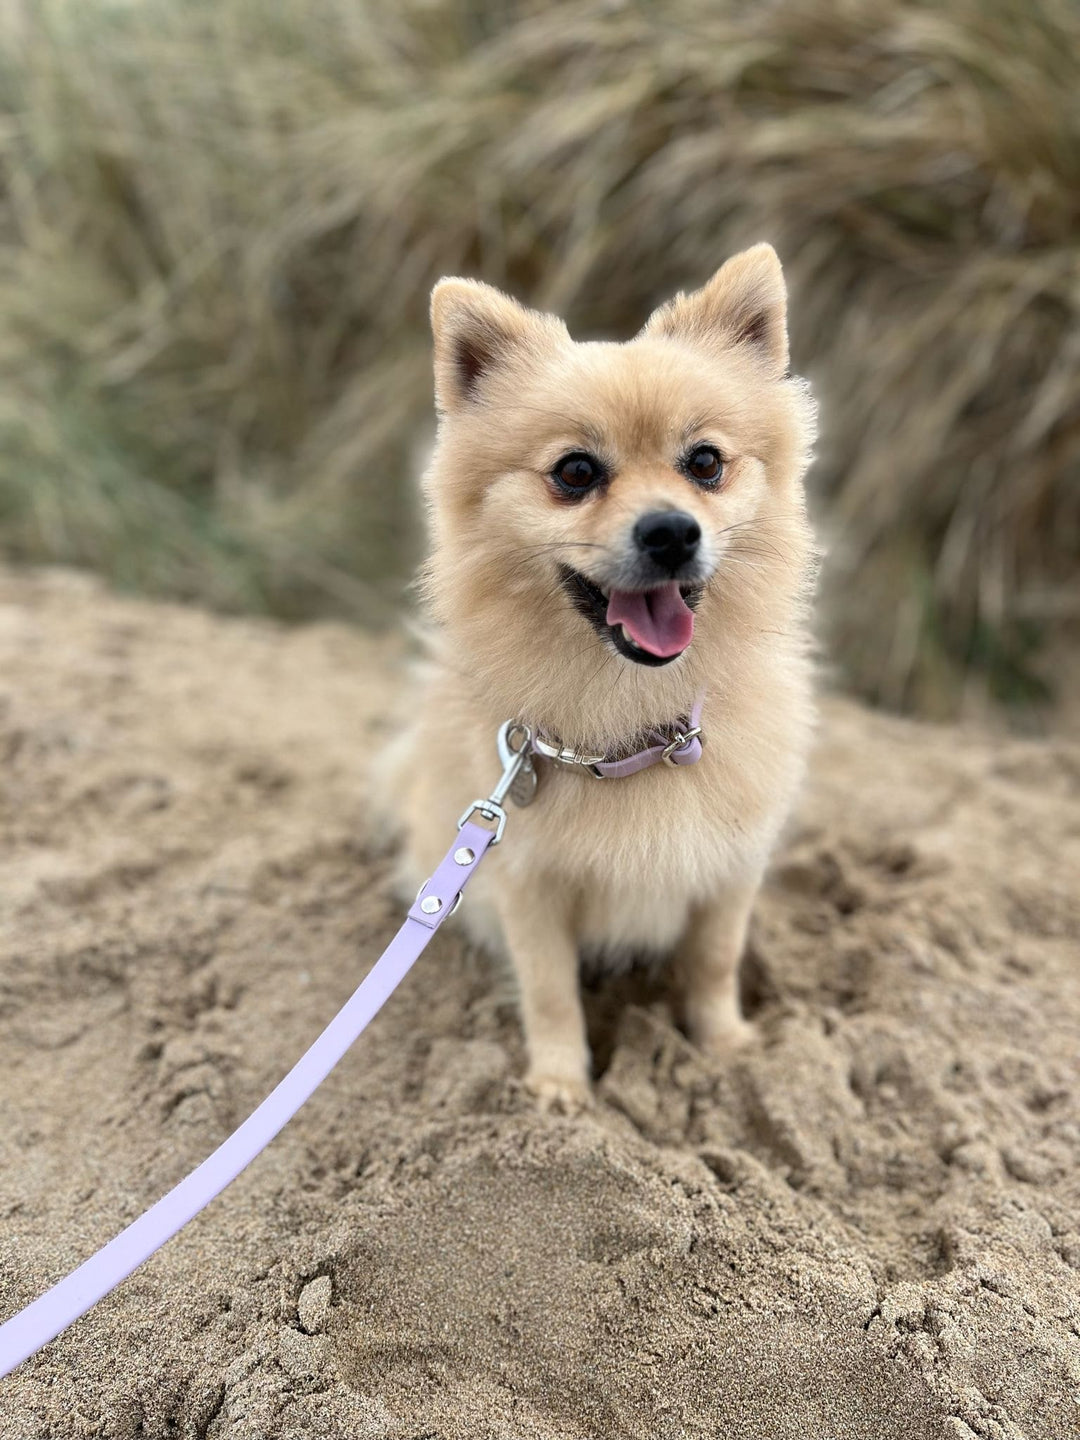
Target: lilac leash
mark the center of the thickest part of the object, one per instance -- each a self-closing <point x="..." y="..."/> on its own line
<point x="44" y="1319"/>
<point x="26" y="1332"/>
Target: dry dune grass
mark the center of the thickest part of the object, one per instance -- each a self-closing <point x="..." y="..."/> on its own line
<point x="220" y="219"/>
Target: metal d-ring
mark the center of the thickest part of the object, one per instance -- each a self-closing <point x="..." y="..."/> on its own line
<point x="491" y="811"/>
<point x="679" y="743"/>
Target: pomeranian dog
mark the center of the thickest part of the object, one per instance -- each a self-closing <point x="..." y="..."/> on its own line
<point x="620" y="555"/>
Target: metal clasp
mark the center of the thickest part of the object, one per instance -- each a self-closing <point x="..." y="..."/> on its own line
<point x="491" y="807"/>
<point x="679" y="743"/>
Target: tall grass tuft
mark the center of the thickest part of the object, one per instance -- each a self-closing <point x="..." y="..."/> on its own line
<point x="219" y="220"/>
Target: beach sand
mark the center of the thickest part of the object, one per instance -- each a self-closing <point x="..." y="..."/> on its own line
<point x="867" y="1225"/>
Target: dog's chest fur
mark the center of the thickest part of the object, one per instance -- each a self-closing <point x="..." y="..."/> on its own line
<point x="638" y="854"/>
<point x="619" y="923"/>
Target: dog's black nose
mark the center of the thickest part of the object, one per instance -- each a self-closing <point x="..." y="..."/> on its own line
<point x="668" y="537"/>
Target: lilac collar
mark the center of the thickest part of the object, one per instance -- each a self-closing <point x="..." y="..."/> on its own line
<point x="678" y="744"/>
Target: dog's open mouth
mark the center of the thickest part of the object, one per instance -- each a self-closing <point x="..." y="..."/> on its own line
<point x="650" y="627"/>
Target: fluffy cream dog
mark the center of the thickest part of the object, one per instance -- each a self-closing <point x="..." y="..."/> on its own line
<point x="617" y="529"/>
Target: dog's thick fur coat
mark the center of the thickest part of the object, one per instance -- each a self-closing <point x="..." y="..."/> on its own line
<point x="667" y="861"/>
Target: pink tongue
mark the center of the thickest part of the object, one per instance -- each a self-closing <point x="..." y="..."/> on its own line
<point x="660" y="620"/>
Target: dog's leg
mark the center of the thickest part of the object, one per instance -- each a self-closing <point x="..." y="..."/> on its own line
<point x="543" y="949"/>
<point x="709" y="970"/>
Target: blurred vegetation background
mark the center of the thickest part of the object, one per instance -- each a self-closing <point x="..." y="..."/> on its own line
<point x="221" y="218"/>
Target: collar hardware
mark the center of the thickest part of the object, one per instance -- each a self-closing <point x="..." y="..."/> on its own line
<point x="680" y="742"/>
<point x="566" y="754"/>
<point x="671" y="744"/>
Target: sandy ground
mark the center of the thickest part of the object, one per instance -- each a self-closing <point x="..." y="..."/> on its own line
<point x="868" y="1225"/>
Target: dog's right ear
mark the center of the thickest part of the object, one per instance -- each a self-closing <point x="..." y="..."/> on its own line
<point x="744" y="306"/>
<point x="477" y="328"/>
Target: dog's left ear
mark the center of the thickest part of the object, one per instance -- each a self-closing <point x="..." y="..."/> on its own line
<point x="744" y="304"/>
<point x="478" y="330"/>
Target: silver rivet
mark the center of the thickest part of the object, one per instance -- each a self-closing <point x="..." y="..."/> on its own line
<point x="431" y="905"/>
<point x="464" y="856"/>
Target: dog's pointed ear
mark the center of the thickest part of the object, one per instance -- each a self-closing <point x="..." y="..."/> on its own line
<point x="477" y="328"/>
<point x="744" y="304"/>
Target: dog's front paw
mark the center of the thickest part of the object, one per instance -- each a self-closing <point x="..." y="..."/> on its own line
<point x="720" y="1039"/>
<point x="559" y="1094"/>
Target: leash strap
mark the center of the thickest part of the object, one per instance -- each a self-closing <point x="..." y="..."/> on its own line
<point x="26" y="1332"/>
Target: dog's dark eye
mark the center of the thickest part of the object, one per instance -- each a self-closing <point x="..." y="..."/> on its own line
<point x="577" y="473"/>
<point x="705" y="465"/>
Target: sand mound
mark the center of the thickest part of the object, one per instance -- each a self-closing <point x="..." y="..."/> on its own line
<point x="867" y="1226"/>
